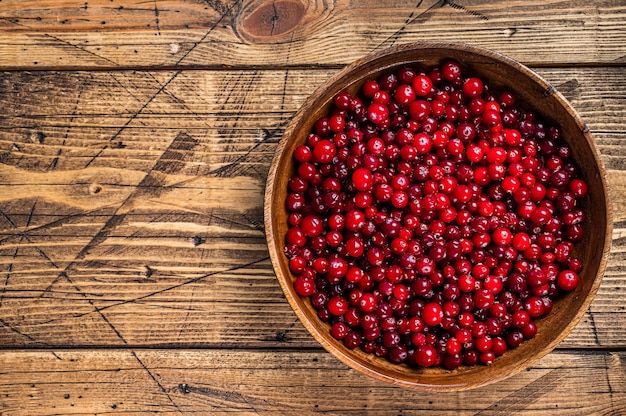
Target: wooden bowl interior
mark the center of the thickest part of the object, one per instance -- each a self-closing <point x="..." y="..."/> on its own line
<point x="535" y="93"/>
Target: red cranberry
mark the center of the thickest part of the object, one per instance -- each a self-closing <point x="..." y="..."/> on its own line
<point x="567" y="280"/>
<point x="432" y="314"/>
<point x="473" y="87"/>
<point x="425" y="356"/>
<point x="451" y="71"/>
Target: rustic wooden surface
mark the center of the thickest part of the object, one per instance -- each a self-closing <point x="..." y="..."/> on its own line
<point x="135" y="139"/>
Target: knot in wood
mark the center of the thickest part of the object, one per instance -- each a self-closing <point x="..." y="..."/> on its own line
<point x="95" y="188"/>
<point x="267" y="20"/>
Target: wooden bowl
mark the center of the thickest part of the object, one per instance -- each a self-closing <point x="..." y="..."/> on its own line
<point x="536" y="94"/>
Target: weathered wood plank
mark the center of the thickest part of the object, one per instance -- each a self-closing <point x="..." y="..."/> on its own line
<point x="65" y="119"/>
<point x="131" y="206"/>
<point x="166" y="33"/>
<point x="286" y="382"/>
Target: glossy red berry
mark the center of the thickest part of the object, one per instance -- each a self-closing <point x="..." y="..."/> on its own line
<point x="473" y="87"/>
<point x="405" y="94"/>
<point x="502" y="236"/>
<point x="338" y="305"/>
<point x="312" y="225"/>
<point x="567" y="280"/>
<point x="370" y="88"/>
<point x="339" y="330"/>
<point x="302" y="153"/>
<point x="578" y="187"/>
<point x="422" y="85"/>
<point x="432" y="314"/>
<point x="426" y="356"/>
<point x="377" y="113"/>
<point x="451" y="71"/>
<point x="304" y="286"/>
<point x="363" y="179"/>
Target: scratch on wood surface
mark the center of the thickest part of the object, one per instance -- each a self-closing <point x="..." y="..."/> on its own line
<point x="169" y="162"/>
<point x="130" y="92"/>
<point x="64" y="44"/>
<point x="521" y="399"/>
<point x="23" y="236"/>
<point x="159" y="385"/>
<point x="231" y="221"/>
<point x="189" y="309"/>
<point x="230" y="395"/>
<point x="95" y="309"/>
<point x="185" y="283"/>
<point x="7" y="219"/>
<point x="258" y="225"/>
<point x="57" y="222"/>
<point x="465" y="10"/>
<point x="8" y="275"/>
<point x="133" y="117"/>
<point x="156" y="18"/>
<point x="104" y="318"/>
<point x="55" y="161"/>
<point x="236" y="96"/>
<point x="20" y="333"/>
<point x="411" y="18"/>
<point x="285" y="78"/>
<point x="218" y="5"/>
<point x="594" y="328"/>
<point x="181" y="142"/>
<point x="165" y="85"/>
<point x="615" y="376"/>
<point x="607" y="369"/>
<point x="416" y="16"/>
<point x="224" y="13"/>
<point x="164" y="290"/>
<point x="620" y="59"/>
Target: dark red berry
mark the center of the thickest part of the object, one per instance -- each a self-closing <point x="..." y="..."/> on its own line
<point x="473" y="87"/>
<point x="432" y="314"/>
<point x="567" y="280"/>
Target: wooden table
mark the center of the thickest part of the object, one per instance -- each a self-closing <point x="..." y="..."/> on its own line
<point x="135" y="139"/>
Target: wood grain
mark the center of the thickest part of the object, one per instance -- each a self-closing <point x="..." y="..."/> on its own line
<point x="131" y="206"/>
<point x="191" y="33"/>
<point x="286" y="382"/>
<point x="135" y="139"/>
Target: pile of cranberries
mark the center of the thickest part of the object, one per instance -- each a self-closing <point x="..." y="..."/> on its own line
<point x="432" y="219"/>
